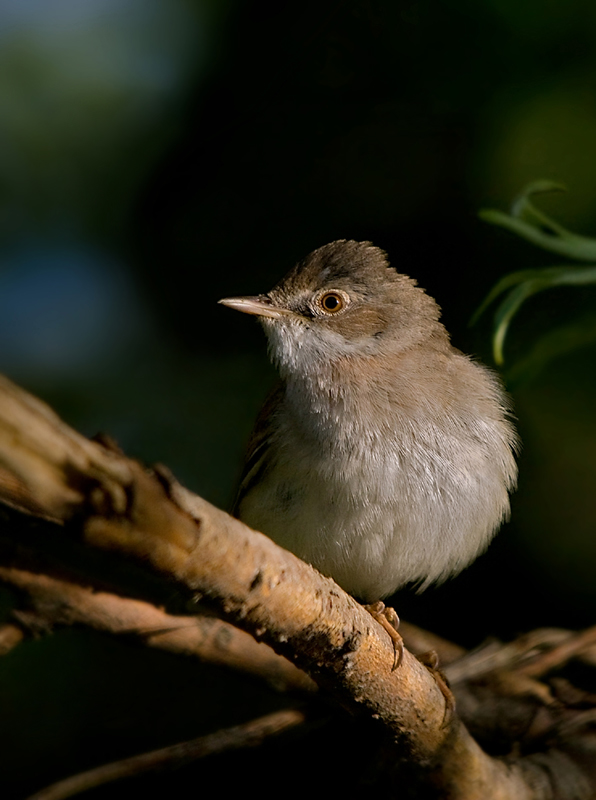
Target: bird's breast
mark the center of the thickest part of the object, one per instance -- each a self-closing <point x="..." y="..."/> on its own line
<point x="377" y="491"/>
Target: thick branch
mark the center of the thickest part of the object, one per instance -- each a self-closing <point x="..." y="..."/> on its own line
<point x="257" y="586"/>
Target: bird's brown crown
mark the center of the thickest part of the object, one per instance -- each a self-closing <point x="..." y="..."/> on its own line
<point x="378" y="300"/>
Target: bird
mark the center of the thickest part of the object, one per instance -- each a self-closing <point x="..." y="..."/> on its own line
<point x="384" y="456"/>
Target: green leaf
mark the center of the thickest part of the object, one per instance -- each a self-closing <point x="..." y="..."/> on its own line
<point x="536" y="227"/>
<point x="541" y="280"/>
<point x="507" y="282"/>
<point x="557" y="240"/>
<point x="523" y="208"/>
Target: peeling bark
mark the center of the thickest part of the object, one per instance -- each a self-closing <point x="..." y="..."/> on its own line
<point x="114" y="504"/>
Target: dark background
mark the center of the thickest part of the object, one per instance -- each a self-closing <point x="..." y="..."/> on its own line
<point x="156" y="155"/>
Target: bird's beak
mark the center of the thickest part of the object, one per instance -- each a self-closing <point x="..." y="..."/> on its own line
<point x="260" y="305"/>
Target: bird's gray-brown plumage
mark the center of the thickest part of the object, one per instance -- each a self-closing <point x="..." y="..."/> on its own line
<point x="385" y="456"/>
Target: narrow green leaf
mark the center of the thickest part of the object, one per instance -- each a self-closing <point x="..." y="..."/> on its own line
<point x="523" y="208"/>
<point x="505" y="313"/>
<point x="536" y="227"/>
<point x="571" y="276"/>
<point x="506" y="282"/>
<point x="560" y="241"/>
<point x="541" y="280"/>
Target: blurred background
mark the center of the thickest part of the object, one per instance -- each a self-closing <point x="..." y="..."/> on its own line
<point x="157" y="155"/>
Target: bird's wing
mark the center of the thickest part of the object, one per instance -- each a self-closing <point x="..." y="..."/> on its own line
<point x="258" y="446"/>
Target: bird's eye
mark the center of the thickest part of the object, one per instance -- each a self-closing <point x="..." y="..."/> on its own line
<point x="333" y="301"/>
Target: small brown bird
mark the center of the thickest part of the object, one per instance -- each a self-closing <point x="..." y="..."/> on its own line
<point x="385" y="456"/>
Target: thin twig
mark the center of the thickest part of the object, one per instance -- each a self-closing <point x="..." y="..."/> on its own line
<point x="494" y="655"/>
<point x="10" y="636"/>
<point x="249" y="734"/>
<point x="556" y="657"/>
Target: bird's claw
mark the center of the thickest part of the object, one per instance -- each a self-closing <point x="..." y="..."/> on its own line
<point x="430" y="660"/>
<point x="387" y="617"/>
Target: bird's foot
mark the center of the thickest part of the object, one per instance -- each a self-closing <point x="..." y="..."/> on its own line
<point x="387" y="617"/>
<point x="430" y="660"/>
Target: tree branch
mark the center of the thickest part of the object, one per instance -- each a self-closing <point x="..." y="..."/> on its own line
<point x="112" y="503"/>
<point x="51" y="602"/>
<point x="250" y="734"/>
